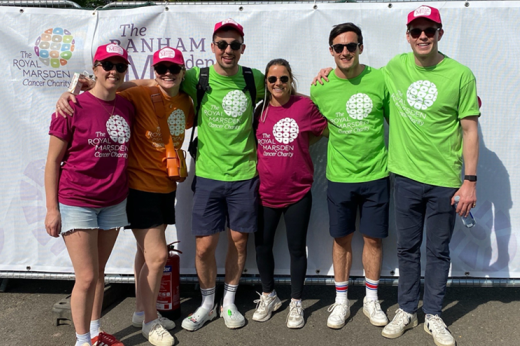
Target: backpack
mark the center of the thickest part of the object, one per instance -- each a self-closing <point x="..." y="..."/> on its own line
<point x="203" y="87"/>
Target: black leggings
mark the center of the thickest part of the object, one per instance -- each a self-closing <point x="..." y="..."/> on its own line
<point x="296" y="223"/>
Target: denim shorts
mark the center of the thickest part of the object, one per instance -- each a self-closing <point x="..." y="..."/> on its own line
<point x="76" y="218"/>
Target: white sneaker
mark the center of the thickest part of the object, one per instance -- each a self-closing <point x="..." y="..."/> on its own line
<point x="137" y="321"/>
<point x="372" y="310"/>
<point x="157" y="335"/>
<point x="402" y="321"/>
<point x="197" y="319"/>
<point x="295" y="318"/>
<point x="435" y="326"/>
<point x="265" y="307"/>
<point x="339" y="312"/>
<point x="232" y="317"/>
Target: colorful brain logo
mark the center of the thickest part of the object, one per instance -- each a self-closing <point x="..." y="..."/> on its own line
<point x="422" y="94"/>
<point x="118" y="129"/>
<point x="359" y="106"/>
<point x="177" y="122"/>
<point x="235" y="103"/>
<point x="54" y="47"/>
<point x="286" y="130"/>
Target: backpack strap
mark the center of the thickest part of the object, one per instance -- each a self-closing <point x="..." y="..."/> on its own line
<point x="157" y="101"/>
<point x="250" y="84"/>
<point x="202" y="88"/>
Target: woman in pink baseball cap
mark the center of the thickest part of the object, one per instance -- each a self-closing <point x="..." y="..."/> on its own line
<point x="86" y="186"/>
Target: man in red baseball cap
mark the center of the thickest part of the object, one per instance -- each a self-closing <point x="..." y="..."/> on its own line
<point x="434" y="111"/>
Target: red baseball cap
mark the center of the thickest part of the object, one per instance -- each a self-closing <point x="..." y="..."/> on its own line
<point x="424" y="11"/>
<point x="229" y="23"/>
<point x="168" y="54"/>
<point x="110" y="50"/>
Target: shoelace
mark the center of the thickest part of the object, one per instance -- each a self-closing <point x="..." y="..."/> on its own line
<point x="401" y="318"/>
<point x="333" y="306"/>
<point x="435" y="322"/>
<point x="262" y="302"/>
<point x="295" y="310"/>
<point x="160" y="330"/>
<point x="374" y="307"/>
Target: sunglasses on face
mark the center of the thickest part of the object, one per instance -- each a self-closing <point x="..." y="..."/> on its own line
<point x="273" y="79"/>
<point x="162" y="68"/>
<point x="351" y="47"/>
<point x="429" y="32"/>
<point x="222" y="45"/>
<point x="108" y="66"/>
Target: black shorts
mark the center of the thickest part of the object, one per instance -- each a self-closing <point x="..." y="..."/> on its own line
<point x="150" y="209"/>
<point x="372" y="200"/>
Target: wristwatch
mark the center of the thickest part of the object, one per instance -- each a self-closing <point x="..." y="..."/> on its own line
<point x="470" y="177"/>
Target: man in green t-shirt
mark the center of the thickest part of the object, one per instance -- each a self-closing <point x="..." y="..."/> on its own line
<point x="433" y="124"/>
<point x="355" y="103"/>
<point x="226" y="182"/>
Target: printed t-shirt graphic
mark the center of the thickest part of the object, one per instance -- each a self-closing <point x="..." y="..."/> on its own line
<point x="355" y="109"/>
<point x="284" y="163"/>
<point x="94" y="170"/>
<point x="425" y="142"/>
<point x="226" y="147"/>
<point x="146" y="170"/>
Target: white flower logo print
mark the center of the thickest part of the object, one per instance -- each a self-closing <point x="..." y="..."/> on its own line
<point x="177" y="122"/>
<point x="359" y="106"/>
<point x="286" y="130"/>
<point x="118" y="129"/>
<point x="422" y="94"/>
<point x="235" y="103"/>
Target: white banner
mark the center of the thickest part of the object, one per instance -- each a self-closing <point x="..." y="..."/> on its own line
<point x="483" y="36"/>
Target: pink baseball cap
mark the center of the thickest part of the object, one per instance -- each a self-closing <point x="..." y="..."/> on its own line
<point x="424" y="11"/>
<point x="168" y="54"/>
<point x="110" y="50"/>
<point x="229" y="23"/>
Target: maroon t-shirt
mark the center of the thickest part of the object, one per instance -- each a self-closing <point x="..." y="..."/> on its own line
<point x="93" y="172"/>
<point x="284" y="163"/>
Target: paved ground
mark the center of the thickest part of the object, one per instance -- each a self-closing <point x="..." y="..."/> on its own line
<point x="476" y="316"/>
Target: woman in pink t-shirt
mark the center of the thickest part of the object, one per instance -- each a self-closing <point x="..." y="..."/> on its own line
<point x="285" y="123"/>
<point x="86" y="186"/>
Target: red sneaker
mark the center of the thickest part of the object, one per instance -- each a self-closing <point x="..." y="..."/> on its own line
<point x="105" y="339"/>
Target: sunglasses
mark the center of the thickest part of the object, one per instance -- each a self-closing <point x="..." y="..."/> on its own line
<point x="174" y="69"/>
<point x="273" y="79"/>
<point x="222" y="45"/>
<point x="108" y="66"/>
<point x="351" y="47"/>
<point x="429" y="32"/>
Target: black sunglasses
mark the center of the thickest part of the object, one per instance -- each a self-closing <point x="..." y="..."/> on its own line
<point x="222" y="45"/>
<point x="429" y="32"/>
<point x="273" y="79"/>
<point x="108" y="66"/>
<point x="351" y="47"/>
<point x="174" y="69"/>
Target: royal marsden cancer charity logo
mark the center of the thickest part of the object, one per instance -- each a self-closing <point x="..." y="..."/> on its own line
<point x="54" y="47"/>
<point x="359" y="106"/>
<point x="421" y="94"/>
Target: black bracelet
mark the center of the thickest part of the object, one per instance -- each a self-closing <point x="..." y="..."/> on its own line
<point x="470" y="177"/>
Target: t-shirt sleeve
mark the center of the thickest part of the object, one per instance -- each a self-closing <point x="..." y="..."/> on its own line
<point x="260" y="86"/>
<point x="316" y="120"/>
<point x="189" y="85"/>
<point x="132" y="94"/>
<point x="468" y="100"/>
<point x="61" y="127"/>
<point x="386" y="103"/>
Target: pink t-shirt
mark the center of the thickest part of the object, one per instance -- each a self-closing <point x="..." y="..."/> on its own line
<point x="284" y="163"/>
<point x="93" y="172"/>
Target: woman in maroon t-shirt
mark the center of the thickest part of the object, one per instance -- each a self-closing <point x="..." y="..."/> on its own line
<point x="284" y="123"/>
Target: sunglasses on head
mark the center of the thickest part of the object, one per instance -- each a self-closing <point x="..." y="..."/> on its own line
<point x="162" y="68"/>
<point x="109" y="65"/>
<point x="351" y="47"/>
<point x="273" y="79"/>
<point x="429" y="32"/>
<point x="222" y="45"/>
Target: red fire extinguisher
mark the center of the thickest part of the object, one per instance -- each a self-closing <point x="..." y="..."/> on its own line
<point x="169" y="299"/>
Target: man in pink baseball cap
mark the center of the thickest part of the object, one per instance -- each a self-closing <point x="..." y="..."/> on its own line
<point x="434" y="111"/>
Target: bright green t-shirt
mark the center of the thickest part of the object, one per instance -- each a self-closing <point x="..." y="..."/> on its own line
<point x="355" y="109"/>
<point x="226" y="147"/>
<point x="427" y="103"/>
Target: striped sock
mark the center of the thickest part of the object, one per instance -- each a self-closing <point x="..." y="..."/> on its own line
<point x="341" y="291"/>
<point x="208" y="297"/>
<point x="371" y="288"/>
<point x="229" y="294"/>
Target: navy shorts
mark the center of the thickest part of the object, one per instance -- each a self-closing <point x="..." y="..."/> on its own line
<point x="215" y="202"/>
<point x="150" y="209"/>
<point x="370" y="198"/>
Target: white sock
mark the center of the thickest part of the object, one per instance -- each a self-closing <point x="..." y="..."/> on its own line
<point x="371" y="288"/>
<point x="208" y="297"/>
<point x="81" y="339"/>
<point x="152" y="321"/>
<point x="229" y="294"/>
<point x="94" y="328"/>
<point x="341" y="291"/>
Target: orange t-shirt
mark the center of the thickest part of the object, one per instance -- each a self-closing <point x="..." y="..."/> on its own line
<point x="146" y="169"/>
